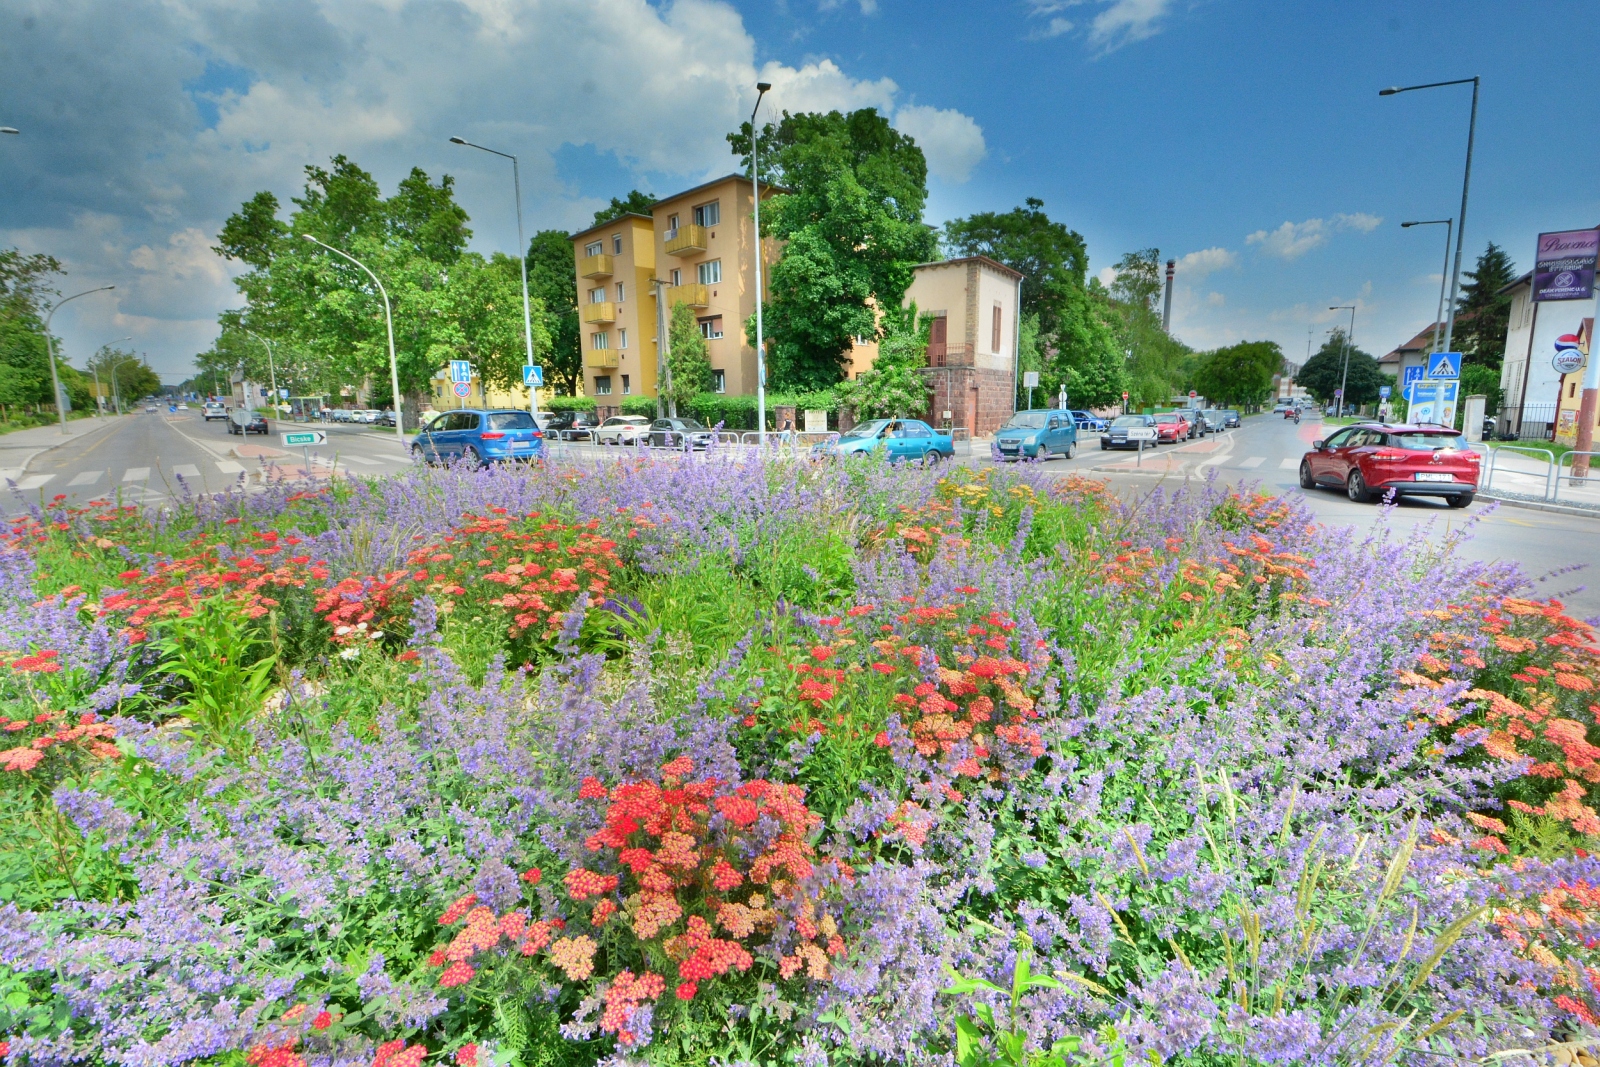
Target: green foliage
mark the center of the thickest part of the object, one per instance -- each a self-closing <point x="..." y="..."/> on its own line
<point x="1087" y="358"/>
<point x="570" y="403"/>
<point x="1053" y="259"/>
<point x="635" y="203"/>
<point x="128" y="372"/>
<point x="1483" y="313"/>
<point x="1138" y="281"/>
<point x="687" y="360"/>
<point x="1239" y="374"/>
<point x="1157" y="364"/>
<point x="25" y="290"/>
<point x="552" y="281"/>
<point x="1477" y="378"/>
<point x="1323" y="372"/>
<point x="895" y="385"/>
<point x="221" y="657"/>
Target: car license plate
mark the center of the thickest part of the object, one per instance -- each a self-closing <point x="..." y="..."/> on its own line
<point x="1426" y="476"/>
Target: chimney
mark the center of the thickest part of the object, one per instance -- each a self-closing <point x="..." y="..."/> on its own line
<point x="1166" y="310"/>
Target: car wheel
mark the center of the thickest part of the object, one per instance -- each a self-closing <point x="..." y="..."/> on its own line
<point x="1072" y="450"/>
<point x="931" y="457"/>
<point x="1355" y="487"/>
<point x="1104" y="449"/>
<point x="1460" y="500"/>
<point x="418" y="456"/>
<point x="474" y="457"/>
<point x="1306" y="481"/>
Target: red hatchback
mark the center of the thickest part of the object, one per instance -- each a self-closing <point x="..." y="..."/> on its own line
<point x="1171" y="428"/>
<point x="1369" y="461"/>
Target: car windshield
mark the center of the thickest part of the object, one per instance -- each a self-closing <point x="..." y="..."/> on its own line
<point x="1430" y="442"/>
<point x="690" y="424"/>
<point x="866" y="429"/>
<point x="1167" y="418"/>
<point x="1028" y="420"/>
<point x="510" y="420"/>
<point x="1128" y="420"/>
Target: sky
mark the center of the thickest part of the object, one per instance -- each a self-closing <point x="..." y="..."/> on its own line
<point x="1244" y="138"/>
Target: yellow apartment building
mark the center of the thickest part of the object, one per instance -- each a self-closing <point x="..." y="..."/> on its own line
<point x="615" y="262"/>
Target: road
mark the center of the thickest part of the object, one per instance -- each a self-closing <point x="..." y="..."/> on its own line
<point x="155" y="458"/>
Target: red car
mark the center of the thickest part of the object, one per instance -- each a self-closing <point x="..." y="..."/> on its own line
<point x="1369" y="461"/>
<point x="1171" y="428"/>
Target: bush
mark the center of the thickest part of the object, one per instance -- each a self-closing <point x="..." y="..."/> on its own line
<point x="570" y="403"/>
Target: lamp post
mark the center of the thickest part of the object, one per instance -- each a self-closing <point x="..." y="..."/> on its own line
<point x="1438" y="317"/>
<point x="761" y="341"/>
<point x="272" y="367"/>
<point x="96" y="371"/>
<point x="1466" y="180"/>
<point x="111" y="369"/>
<point x="1344" y="377"/>
<point x="522" y="258"/>
<point x="50" y="343"/>
<point x="388" y="318"/>
<point x="9" y="129"/>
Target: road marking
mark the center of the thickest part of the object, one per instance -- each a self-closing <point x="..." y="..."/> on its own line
<point x="228" y="466"/>
<point x="186" y="470"/>
<point x="35" y="481"/>
<point x="86" y="478"/>
<point x="10" y="474"/>
<point x="137" y="474"/>
<point x="1288" y="463"/>
<point x="363" y="460"/>
<point x="1253" y="461"/>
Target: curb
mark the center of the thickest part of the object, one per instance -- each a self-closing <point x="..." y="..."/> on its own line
<point x="1539" y="505"/>
<point x="70" y="439"/>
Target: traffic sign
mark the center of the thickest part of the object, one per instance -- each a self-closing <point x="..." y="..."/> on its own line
<point x="460" y="372"/>
<point x="1193" y="394"/>
<point x="1030" y="379"/>
<point x="303" y="438"/>
<point x="1383" y="392"/>
<point x="1443" y="366"/>
<point x="1141" y="433"/>
<point x="462" y="389"/>
<point x="1338" y="394"/>
<point x="532" y="377"/>
<point x="1412" y="374"/>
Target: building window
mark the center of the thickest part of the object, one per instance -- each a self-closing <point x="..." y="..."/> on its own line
<point x="600" y="341"/>
<point x="593" y="248"/>
<point x="602" y="385"/>
<point x="711" y="273"/>
<point x="1572" y="390"/>
<point x="677" y="276"/>
<point x="994" y="345"/>
<point x="711" y="328"/>
<point x="622" y="338"/>
<point x="860" y="340"/>
<point x="616" y="243"/>
<point x="708" y="214"/>
<point x="627" y="389"/>
<point x="719" y="381"/>
<point x="619" y="292"/>
<point x="597" y="296"/>
<point x="672" y="226"/>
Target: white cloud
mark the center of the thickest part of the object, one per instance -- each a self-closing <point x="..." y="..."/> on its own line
<point x="868" y="7"/>
<point x="1116" y="23"/>
<point x="1107" y="276"/>
<point x="1054" y="28"/>
<point x="1291" y="240"/>
<point x="1194" y="266"/>
<point x="952" y="142"/>
<point x="1359" y="221"/>
<point x="1215" y="300"/>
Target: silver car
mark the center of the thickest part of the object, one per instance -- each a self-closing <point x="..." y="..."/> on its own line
<point x="623" y="430"/>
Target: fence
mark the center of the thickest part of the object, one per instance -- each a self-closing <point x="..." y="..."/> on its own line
<point x="1526" y="422"/>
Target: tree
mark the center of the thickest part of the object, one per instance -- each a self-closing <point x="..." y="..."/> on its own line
<point x="1138" y="281"/>
<point x="635" y="203"/>
<point x="26" y="286"/>
<point x="1052" y="259"/>
<point x="1483" y="313"/>
<point x="1239" y="374"/>
<point x="1086" y="357"/>
<point x="1323" y="372"/>
<point x="896" y="385"/>
<point x="123" y="375"/>
<point x="851" y="218"/>
<point x="551" y="280"/>
<point x="688" y="360"/>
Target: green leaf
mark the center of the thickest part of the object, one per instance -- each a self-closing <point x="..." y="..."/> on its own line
<point x="969" y="1042"/>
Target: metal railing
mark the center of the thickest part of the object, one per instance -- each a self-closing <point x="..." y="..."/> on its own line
<point x="1589" y="480"/>
<point x="1493" y="465"/>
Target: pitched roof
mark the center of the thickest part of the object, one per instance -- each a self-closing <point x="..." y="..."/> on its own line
<point x="985" y="260"/>
<point x="1420" y="343"/>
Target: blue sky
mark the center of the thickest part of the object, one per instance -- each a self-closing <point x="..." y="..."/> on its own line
<point x="1243" y="137"/>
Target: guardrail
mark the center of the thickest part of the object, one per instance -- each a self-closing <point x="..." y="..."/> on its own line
<point x="1591" y="479"/>
<point x="1549" y="470"/>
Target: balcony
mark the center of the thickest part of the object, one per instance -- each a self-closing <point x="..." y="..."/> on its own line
<point x="595" y="266"/>
<point x="600" y="359"/>
<point x="693" y="294"/>
<point x="601" y="311"/>
<point x="686" y="240"/>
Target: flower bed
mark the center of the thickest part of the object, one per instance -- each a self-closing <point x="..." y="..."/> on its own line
<point x="690" y="761"/>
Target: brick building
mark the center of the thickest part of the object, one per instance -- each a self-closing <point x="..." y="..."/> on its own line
<point x="972" y="346"/>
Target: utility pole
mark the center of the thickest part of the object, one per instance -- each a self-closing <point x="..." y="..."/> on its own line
<point x="663" y="350"/>
<point x="761" y="341"/>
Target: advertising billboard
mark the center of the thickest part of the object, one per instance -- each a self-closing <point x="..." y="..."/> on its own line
<point x="1563" y="268"/>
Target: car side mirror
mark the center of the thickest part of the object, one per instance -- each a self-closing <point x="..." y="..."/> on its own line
<point x="1316" y="446"/>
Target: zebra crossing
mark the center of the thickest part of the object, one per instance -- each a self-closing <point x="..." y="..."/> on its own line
<point x="1179" y="461"/>
<point x="136" y="478"/>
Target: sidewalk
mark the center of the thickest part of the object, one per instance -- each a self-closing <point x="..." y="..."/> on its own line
<point x="1528" y="477"/>
<point x="19" y="448"/>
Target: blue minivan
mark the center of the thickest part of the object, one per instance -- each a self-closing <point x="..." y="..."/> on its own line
<point x="480" y="436"/>
<point x="1038" y="434"/>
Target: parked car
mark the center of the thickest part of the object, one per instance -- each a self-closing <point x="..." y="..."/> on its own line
<point x="568" y="425"/>
<point x="1039" y="434"/>
<point x="623" y="430"/>
<point x="480" y="436"/>
<point x="214" y="410"/>
<point x="1281" y="406"/>
<point x="1213" y="421"/>
<point x="1370" y="460"/>
<point x="1116" y="435"/>
<point x="386" y="418"/>
<point x="367" y="416"/>
<point x="679" y="433"/>
<point x="1088" y="421"/>
<point x="1171" y="427"/>
<point x="242" y="422"/>
<point x="1230" y="418"/>
<point x="899" y="439"/>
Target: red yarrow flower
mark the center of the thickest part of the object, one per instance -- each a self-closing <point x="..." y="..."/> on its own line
<point x="322" y="1021"/>
<point x="467" y="1055"/>
<point x="458" y="973"/>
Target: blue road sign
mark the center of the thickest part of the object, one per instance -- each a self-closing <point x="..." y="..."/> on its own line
<point x="460" y="371"/>
<point x="532" y="376"/>
<point x="1443" y="366"/>
<point x="1383" y="392"/>
<point x="462" y="389"/>
<point x="1412" y="374"/>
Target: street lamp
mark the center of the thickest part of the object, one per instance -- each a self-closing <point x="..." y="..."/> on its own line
<point x="1438" y="338"/>
<point x="9" y="129"/>
<point x="1466" y="180"/>
<point x="272" y="369"/>
<point x="111" y="369"/>
<point x="522" y="258"/>
<point x="1344" y="378"/>
<point x="96" y="371"/>
<point x="388" y="318"/>
<point x="50" y="343"/>
<point x="761" y="341"/>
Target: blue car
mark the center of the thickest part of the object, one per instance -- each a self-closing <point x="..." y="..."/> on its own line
<point x="480" y="436"/>
<point x="1089" y="422"/>
<point x="898" y="439"/>
<point x="1038" y="434"/>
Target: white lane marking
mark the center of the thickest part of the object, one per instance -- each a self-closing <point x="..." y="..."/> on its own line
<point x="186" y="470"/>
<point x="10" y="474"/>
<point x="1288" y="463"/>
<point x="34" y="481"/>
<point x="86" y="478"/>
<point x="1253" y="461"/>
<point x="137" y="474"/>
<point x="228" y="466"/>
<point x="363" y="460"/>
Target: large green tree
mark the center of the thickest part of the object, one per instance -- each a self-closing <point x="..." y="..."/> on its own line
<point x="1138" y="278"/>
<point x="1239" y="374"/>
<point x="123" y="375"/>
<point x="1158" y="364"/>
<point x="687" y="359"/>
<point x="896" y="384"/>
<point x="26" y="287"/>
<point x="635" y="203"/>
<point x="850" y="215"/>
<point x="552" y="281"/>
<point x="1324" y="371"/>
<point x="1483" y="313"/>
<point x="1052" y="259"/>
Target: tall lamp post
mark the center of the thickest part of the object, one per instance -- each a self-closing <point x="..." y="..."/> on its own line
<point x="522" y="258"/>
<point x="111" y="369"/>
<point x="761" y="341"/>
<point x="1466" y="180"/>
<point x="388" y="318"/>
<point x="1438" y="338"/>
<point x="272" y="368"/>
<point x="1349" y="340"/>
<point x="9" y="129"/>
<point x="50" y="342"/>
<point x="96" y="371"/>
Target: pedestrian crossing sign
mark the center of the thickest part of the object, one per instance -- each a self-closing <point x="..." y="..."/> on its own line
<point x="1443" y="366"/>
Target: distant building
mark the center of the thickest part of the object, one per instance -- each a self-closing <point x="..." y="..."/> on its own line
<point x="1533" y="390"/>
<point x="972" y="343"/>
<point x="1412" y="353"/>
<point x="1571" y="388"/>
